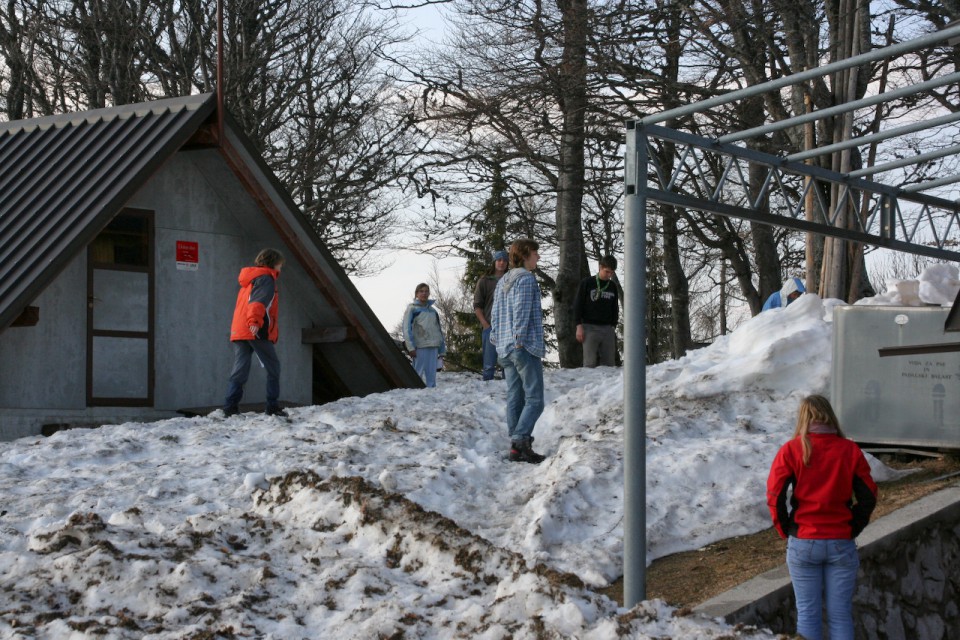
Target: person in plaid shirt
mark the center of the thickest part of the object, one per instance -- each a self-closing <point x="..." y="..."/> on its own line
<point x="517" y="332"/>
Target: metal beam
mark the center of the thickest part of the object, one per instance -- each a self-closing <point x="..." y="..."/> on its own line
<point x="840" y="109"/>
<point x="766" y="159"/>
<point x="895" y="196"/>
<point x="931" y="184"/>
<point x="904" y="162"/>
<point x="799" y="224"/>
<point x="936" y="37"/>
<point x="874" y="137"/>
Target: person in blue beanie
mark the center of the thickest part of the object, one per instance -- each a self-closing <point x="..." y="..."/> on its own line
<point x="791" y="290"/>
<point x="482" y="307"/>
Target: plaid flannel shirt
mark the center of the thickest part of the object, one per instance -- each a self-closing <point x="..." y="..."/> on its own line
<point x="517" y="317"/>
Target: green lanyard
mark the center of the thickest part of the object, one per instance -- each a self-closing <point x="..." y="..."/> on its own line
<point x="606" y="283"/>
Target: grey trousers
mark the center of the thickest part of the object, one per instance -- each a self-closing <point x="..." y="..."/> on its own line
<point x="599" y="345"/>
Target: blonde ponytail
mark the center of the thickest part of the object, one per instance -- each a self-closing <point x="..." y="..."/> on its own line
<point x="814" y="409"/>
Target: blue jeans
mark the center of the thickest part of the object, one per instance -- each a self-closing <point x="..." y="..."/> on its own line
<point x="489" y="355"/>
<point x="243" y="351"/>
<point x="425" y="364"/>
<point x="823" y="571"/>
<point x="524" y="375"/>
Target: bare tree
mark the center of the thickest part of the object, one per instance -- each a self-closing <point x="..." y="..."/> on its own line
<point x="19" y="34"/>
<point x="349" y="142"/>
<point x="528" y="79"/>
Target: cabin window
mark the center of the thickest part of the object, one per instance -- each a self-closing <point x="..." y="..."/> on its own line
<point x="125" y="242"/>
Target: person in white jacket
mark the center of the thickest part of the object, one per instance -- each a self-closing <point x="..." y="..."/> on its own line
<point x="423" y="335"/>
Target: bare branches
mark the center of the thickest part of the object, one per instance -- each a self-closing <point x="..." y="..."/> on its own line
<point x="306" y="79"/>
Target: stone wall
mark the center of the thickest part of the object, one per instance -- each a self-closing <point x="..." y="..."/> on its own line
<point x="908" y="586"/>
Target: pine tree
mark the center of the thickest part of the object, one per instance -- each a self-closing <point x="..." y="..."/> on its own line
<point x="489" y="230"/>
<point x="659" y="317"/>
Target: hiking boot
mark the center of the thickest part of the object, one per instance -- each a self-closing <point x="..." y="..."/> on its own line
<point x="231" y="410"/>
<point x="522" y="451"/>
<point x="277" y="411"/>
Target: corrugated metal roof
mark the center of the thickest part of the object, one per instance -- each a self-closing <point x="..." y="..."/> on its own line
<point x="63" y="178"/>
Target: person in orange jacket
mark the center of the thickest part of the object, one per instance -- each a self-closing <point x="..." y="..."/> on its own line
<point x="255" y="330"/>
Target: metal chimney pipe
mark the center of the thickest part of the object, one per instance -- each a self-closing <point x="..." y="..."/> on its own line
<point x="220" y="72"/>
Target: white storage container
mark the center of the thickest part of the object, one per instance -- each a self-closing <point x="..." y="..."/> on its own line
<point x="904" y="400"/>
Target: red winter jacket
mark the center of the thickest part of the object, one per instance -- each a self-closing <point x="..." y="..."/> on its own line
<point x="822" y="505"/>
<point x="257" y="305"/>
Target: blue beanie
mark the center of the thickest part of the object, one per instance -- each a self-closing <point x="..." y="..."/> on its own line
<point x="499" y="255"/>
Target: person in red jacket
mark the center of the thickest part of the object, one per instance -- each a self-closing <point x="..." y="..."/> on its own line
<point x="255" y="330"/>
<point x="821" y="495"/>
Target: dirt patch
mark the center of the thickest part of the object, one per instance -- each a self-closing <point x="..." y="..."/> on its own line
<point x="689" y="578"/>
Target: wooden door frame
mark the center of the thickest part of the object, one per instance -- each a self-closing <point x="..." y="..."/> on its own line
<point x="149" y="335"/>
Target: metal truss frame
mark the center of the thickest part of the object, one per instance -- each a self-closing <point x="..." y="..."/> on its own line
<point x="711" y="175"/>
<point x="893" y="218"/>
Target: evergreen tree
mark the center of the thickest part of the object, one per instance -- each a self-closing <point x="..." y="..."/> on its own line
<point x="659" y="318"/>
<point x="489" y="231"/>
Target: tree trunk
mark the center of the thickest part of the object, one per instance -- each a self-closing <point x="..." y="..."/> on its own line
<point x="764" y="245"/>
<point x="744" y="275"/>
<point x="859" y="282"/>
<point x="572" y="78"/>
<point x="849" y="37"/>
<point x="677" y="284"/>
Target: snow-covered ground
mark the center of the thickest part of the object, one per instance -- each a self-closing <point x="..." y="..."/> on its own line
<point x="397" y="515"/>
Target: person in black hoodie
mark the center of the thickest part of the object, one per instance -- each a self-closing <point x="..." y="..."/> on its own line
<point x="597" y="311"/>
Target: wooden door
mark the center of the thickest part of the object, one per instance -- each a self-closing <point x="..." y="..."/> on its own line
<point x="120" y="313"/>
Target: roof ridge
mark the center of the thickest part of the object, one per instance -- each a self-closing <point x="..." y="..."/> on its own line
<point x="180" y="103"/>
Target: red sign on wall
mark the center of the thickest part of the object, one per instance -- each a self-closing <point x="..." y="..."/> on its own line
<point x="188" y="255"/>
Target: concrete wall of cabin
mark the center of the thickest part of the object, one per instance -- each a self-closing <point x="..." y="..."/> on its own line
<point x="44" y="366"/>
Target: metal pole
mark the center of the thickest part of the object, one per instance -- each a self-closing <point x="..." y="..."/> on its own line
<point x="930" y="184"/>
<point x="635" y="370"/>
<point x="909" y="160"/>
<point x="220" y="72"/>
